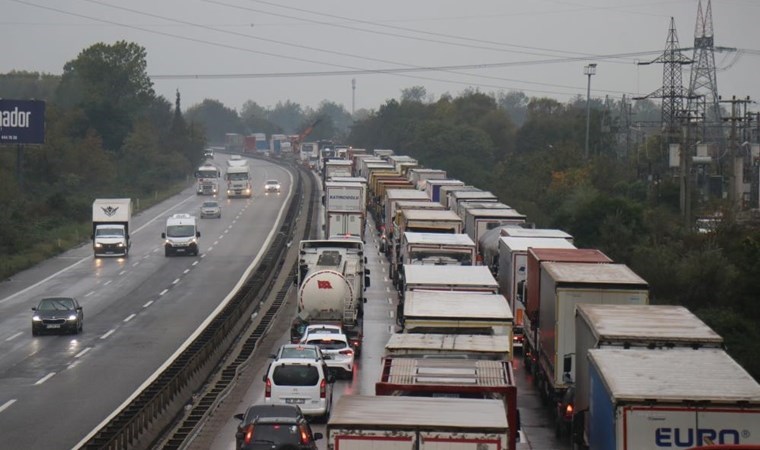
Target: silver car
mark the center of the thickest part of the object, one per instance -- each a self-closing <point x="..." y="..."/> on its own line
<point x="211" y="208"/>
<point x="272" y="186"/>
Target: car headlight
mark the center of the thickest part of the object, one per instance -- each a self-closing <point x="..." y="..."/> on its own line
<point x="98" y="245"/>
<point x="120" y="244"/>
<point x="72" y="317"/>
<point x="36" y="318"/>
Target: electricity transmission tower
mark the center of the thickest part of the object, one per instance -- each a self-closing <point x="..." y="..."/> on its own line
<point x="704" y="81"/>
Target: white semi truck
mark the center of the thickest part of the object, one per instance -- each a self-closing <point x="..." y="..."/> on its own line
<point x="111" y="219"/>
<point x="238" y="179"/>
<point x="207" y="177"/>
<point x="345" y="206"/>
<point x="332" y="277"/>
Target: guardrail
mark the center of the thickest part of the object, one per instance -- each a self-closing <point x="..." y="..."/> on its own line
<point x="142" y="421"/>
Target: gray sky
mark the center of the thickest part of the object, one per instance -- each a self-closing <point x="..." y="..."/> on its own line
<point x="536" y="46"/>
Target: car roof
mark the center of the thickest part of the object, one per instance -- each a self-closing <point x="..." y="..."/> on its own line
<point x="272" y="181"/>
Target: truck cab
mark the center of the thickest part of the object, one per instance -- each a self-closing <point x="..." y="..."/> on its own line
<point x="111" y="218"/>
<point x="181" y="235"/>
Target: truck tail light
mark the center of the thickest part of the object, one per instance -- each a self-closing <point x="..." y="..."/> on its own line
<point x="268" y="389"/>
<point x="248" y="434"/>
<point x="323" y="388"/>
<point x="569" y="410"/>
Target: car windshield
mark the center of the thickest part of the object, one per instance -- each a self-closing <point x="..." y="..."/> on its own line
<point x="326" y="343"/>
<point x="106" y="232"/>
<point x="276" y="433"/>
<point x="295" y="375"/>
<point x="180" y="231"/>
<point x="299" y="352"/>
<point x="211" y="205"/>
<point x="56" y="304"/>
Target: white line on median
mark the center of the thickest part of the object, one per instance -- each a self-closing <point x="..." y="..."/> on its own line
<point x="7" y="405"/>
<point x="186" y="271"/>
<point x="163" y="292"/>
<point x="148" y="304"/>
<point x="195" y="263"/>
<point x="82" y="353"/>
<point x="175" y="281"/>
<point x="110" y="332"/>
<point x="130" y="317"/>
<point x="45" y="378"/>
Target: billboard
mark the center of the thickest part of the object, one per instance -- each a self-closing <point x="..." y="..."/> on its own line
<point x="22" y="121"/>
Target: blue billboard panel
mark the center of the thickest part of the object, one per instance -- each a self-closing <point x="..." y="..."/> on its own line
<point x="22" y="121"/>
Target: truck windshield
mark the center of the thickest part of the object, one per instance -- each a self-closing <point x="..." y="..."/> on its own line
<point x="207" y="173"/>
<point x="180" y="231"/>
<point x="237" y="176"/>
<point x="109" y="232"/>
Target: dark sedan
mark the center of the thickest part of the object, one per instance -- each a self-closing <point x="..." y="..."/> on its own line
<point x="57" y="314"/>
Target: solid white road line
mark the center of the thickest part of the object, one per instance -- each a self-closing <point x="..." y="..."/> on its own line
<point x="130" y="317"/>
<point x="110" y="332"/>
<point x="82" y="353"/>
<point x="13" y="336"/>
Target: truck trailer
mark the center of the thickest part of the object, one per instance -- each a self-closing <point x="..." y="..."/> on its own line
<point x="432" y="249"/>
<point x="648" y="400"/>
<point x="345" y="206"/>
<point x="467" y="346"/>
<point x="433" y="188"/>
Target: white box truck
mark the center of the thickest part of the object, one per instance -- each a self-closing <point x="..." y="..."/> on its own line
<point x="384" y="422"/>
<point x="111" y="219"/>
<point x="345" y="206"/>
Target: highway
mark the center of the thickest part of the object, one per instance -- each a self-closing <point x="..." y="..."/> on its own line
<point x="139" y="312"/>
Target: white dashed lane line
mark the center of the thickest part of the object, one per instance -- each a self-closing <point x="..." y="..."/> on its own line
<point x="89" y="293"/>
<point x="122" y="272"/>
<point x="105" y="336"/>
<point x="160" y="294"/>
<point x="7" y="405"/>
<point x="45" y="378"/>
<point x="387" y="289"/>
<point x="135" y="264"/>
<point x="148" y="304"/>
<point x="107" y="282"/>
<point x="175" y="281"/>
<point x="195" y="263"/>
<point x="390" y="314"/>
<point x="209" y="249"/>
<point x="186" y="271"/>
<point x="216" y="242"/>
<point x="83" y="352"/>
<point x="130" y="317"/>
<point x="13" y="336"/>
<point x="390" y="301"/>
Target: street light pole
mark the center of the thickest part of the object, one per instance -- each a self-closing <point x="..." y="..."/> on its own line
<point x="588" y="71"/>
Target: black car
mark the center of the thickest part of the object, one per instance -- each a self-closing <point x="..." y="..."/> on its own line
<point x="269" y="427"/>
<point x="57" y="314"/>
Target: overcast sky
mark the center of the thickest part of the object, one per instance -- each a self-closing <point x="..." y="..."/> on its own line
<point x="539" y="47"/>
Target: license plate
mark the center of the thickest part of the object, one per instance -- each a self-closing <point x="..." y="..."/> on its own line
<point x="291" y="401"/>
<point x="54" y="326"/>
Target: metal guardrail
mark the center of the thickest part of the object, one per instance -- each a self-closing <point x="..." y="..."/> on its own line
<point x="142" y="421"/>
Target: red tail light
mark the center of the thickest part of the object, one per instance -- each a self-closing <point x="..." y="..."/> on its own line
<point x="569" y="410"/>
<point x="323" y="388"/>
<point x="268" y="388"/>
<point x="248" y="434"/>
<point x="304" y="436"/>
<point x="347" y="351"/>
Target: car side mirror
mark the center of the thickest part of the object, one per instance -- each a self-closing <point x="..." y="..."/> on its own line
<point x="79" y="308"/>
<point x="239" y="416"/>
<point x="197" y="234"/>
<point x="34" y="308"/>
<point x="163" y="235"/>
<point x="273" y="356"/>
<point x="318" y="436"/>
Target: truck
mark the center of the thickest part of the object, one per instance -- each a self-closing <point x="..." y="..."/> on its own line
<point x="181" y="235"/>
<point x="447" y="189"/>
<point x="448" y="278"/>
<point x="385" y="422"/>
<point x="680" y="398"/>
<point x="207" y="177"/>
<point x="457" y="196"/>
<point x="488" y="244"/>
<point x="422" y="220"/>
<point x="478" y="221"/>
<point x="513" y="269"/>
<point x="457" y="312"/>
<point x="276" y="142"/>
<point x="111" y="219"/>
<point x="262" y="145"/>
<point x="392" y="196"/>
<point x="432" y="249"/>
<point x="433" y="188"/>
<point x="234" y="143"/>
<point x="460" y="381"/>
<point x="464" y="205"/>
<point x="653" y="327"/>
<point x="537" y="256"/>
<point x="564" y="286"/>
<point x="419" y="176"/>
<point x="332" y="278"/>
<point x="345" y="205"/>
<point x="238" y="179"/>
<point x="383" y="153"/>
<point x="466" y="346"/>
<point x="337" y="168"/>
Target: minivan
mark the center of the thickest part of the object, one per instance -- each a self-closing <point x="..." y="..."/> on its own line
<point x="303" y="382"/>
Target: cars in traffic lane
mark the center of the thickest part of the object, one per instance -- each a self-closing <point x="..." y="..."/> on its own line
<point x="212" y="209"/>
<point x="57" y="314"/>
<point x="265" y="427"/>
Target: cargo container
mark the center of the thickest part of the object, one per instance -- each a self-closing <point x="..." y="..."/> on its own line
<point x="466" y="346"/>
<point x="431" y="249"/>
<point x="433" y="188"/>
<point x="445" y="190"/>
<point x="478" y="221"/>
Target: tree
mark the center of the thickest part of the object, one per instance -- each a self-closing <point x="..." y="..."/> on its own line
<point x="216" y="119"/>
<point x="516" y="105"/>
<point x="110" y="83"/>
<point x="413" y="94"/>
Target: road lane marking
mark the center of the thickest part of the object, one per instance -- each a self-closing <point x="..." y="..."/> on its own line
<point x="234" y="221"/>
<point x="135" y="264"/>
<point x="107" y="283"/>
<point x="148" y="304"/>
<point x="390" y="329"/>
<point x="130" y="317"/>
<point x="83" y="352"/>
<point x="221" y="237"/>
<point x="387" y="289"/>
<point x="110" y="332"/>
<point x="89" y="293"/>
<point x="225" y="232"/>
<point x="122" y="272"/>
<point x="204" y="255"/>
<point x="195" y="263"/>
<point x="390" y="301"/>
<point x="215" y="242"/>
<point x="163" y="292"/>
<point x="45" y="378"/>
<point x="175" y="281"/>
<point x="208" y="250"/>
<point x="13" y="336"/>
<point x="186" y="271"/>
<point x="7" y="405"/>
<point x="386" y="279"/>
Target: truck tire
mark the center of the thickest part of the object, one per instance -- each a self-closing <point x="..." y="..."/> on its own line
<point x="167" y="252"/>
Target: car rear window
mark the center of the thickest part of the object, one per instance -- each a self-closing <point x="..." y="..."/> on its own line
<point x="298" y="352"/>
<point x="276" y="433"/>
<point x="328" y="344"/>
<point x="295" y="375"/>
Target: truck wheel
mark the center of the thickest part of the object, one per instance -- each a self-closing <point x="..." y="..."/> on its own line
<point x="166" y="252"/>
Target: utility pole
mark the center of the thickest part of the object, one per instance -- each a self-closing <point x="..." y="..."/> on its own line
<point x="736" y="159"/>
<point x="588" y="71"/>
<point x="353" y="95"/>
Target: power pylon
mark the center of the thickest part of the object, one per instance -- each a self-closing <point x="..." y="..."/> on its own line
<point x="704" y="81"/>
<point x="672" y="91"/>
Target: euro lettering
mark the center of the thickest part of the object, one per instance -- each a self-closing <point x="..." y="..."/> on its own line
<point x="690" y="437"/>
<point x="15" y="119"/>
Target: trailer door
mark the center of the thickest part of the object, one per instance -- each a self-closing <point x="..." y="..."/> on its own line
<point x="431" y="440"/>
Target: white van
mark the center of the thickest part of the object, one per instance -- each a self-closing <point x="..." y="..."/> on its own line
<point x="181" y="235"/>
<point x="303" y="382"/>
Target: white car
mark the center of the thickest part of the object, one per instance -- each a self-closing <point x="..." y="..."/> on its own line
<point x="272" y="186"/>
<point x="321" y="328"/>
<point x="303" y="382"/>
<point x="211" y="208"/>
<point x="338" y="353"/>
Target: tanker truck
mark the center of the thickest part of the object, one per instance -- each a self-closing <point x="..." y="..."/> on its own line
<point x="332" y="278"/>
